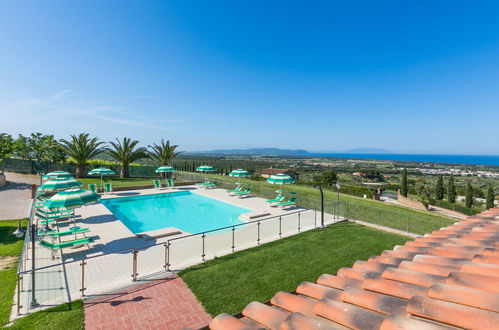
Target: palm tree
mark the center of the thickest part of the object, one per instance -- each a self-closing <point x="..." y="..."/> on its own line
<point x="125" y="153"/>
<point x="164" y="152"/>
<point x="81" y="148"/>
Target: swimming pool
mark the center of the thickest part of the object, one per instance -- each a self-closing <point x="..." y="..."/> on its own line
<point x="184" y="210"/>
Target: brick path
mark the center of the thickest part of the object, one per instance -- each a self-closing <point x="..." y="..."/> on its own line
<point x="159" y="304"/>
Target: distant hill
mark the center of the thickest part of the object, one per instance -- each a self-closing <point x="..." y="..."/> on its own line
<point x="368" y="151"/>
<point x="252" y="151"/>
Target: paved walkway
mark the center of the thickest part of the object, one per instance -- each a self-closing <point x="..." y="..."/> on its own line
<point x="15" y="196"/>
<point x="161" y="304"/>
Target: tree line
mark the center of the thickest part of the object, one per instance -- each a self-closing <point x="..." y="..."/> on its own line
<point x="440" y="191"/>
<point x="82" y="148"/>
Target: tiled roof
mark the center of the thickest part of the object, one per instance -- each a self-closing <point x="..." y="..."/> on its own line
<point x="446" y="279"/>
<point x="274" y="171"/>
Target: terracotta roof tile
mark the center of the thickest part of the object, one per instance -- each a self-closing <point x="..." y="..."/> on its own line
<point x="374" y="301"/>
<point x="466" y="296"/>
<point x="477" y="281"/>
<point x="337" y="282"/>
<point x="428" y="268"/>
<point x="394" y="288"/>
<point x="371" y="266"/>
<point x="387" y="259"/>
<point x="486" y="259"/>
<point x="400" y="322"/>
<point x="227" y="321"/>
<point x="480" y="268"/>
<point x="348" y="315"/>
<point x="438" y="260"/>
<point x="451" y="313"/>
<point x="317" y="291"/>
<point x="357" y="274"/>
<point x="412" y="277"/>
<point x="294" y="303"/>
<point x="298" y="321"/>
<point x="268" y="316"/>
<point x="446" y="279"/>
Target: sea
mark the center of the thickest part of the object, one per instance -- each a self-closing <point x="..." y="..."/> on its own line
<point x="431" y="158"/>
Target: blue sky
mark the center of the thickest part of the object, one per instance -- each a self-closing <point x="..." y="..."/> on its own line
<point x="411" y="77"/>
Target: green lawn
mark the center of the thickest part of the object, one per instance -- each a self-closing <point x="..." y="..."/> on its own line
<point x="9" y="246"/>
<point x="118" y="182"/>
<point x="67" y="316"/>
<point x="229" y="283"/>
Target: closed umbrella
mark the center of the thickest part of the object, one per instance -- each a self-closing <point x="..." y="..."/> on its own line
<point x="101" y="171"/>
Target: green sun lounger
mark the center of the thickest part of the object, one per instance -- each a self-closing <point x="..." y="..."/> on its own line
<point x="238" y="189"/>
<point x="69" y="232"/>
<point x="207" y="184"/>
<point x="58" y="246"/>
<point x="108" y="187"/>
<point x="169" y="183"/>
<point x="46" y="212"/>
<point x="52" y="231"/>
<point x="55" y="217"/>
<point x="292" y="201"/>
<point x="157" y="184"/>
<point x="278" y="199"/>
<point x="243" y="193"/>
<point x="92" y="187"/>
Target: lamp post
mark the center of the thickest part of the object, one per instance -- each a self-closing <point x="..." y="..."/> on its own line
<point x="322" y="205"/>
<point x="338" y="191"/>
<point x="19" y="232"/>
<point x="34" y="303"/>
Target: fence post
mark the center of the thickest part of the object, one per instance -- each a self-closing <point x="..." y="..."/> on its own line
<point x="280" y="226"/>
<point x="19" y="277"/>
<point x="82" y="264"/>
<point x="258" y="239"/>
<point x="167" y="256"/>
<point x="203" y="255"/>
<point x="134" y="265"/>
<point x="233" y="241"/>
<point x="299" y="221"/>
<point x="347" y="212"/>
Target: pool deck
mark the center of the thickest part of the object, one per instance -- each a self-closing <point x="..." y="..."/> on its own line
<point x="113" y="271"/>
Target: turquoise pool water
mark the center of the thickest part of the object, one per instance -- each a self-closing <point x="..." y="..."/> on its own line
<point x="183" y="210"/>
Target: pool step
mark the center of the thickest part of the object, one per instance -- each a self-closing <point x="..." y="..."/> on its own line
<point x="158" y="233"/>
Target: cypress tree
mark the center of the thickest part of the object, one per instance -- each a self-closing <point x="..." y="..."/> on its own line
<point x="403" y="185"/>
<point x="439" y="188"/>
<point x="469" y="195"/>
<point x="490" y="197"/>
<point x="451" y="190"/>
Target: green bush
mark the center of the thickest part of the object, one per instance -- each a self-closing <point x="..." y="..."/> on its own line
<point x="349" y="190"/>
<point x="456" y="207"/>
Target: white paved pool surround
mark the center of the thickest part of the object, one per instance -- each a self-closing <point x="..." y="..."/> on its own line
<point x="104" y="273"/>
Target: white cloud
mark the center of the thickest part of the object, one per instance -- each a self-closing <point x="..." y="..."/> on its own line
<point x="61" y="94"/>
<point x="59" y="110"/>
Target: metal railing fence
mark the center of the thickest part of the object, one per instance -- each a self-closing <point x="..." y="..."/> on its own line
<point x="410" y="221"/>
<point x="170" y="255"/>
